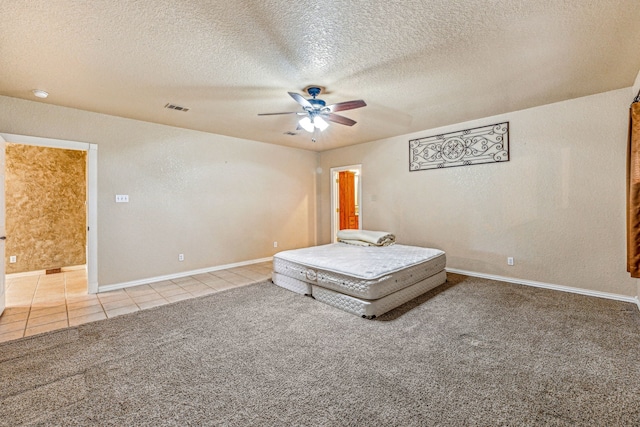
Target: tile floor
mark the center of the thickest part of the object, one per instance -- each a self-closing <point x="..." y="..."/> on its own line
<point x="42" y="303"/>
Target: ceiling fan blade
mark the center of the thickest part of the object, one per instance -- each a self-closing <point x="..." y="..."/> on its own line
<point x="300" y="100"/>
<point x="336" y="118"/>
<point x="273" y="114"/>
<point x="348" y="105"/>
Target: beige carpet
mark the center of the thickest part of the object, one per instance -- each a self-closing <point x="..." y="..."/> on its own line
<point x="471" y="352"/>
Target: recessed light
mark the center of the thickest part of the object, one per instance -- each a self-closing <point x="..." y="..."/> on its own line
<point x="40" y="93"/>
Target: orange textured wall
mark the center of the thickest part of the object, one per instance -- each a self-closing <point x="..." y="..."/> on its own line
<point x="45" y="192"/>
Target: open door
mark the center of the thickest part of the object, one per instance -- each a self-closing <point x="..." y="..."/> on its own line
<point x="346" y="195"/>
<point x="347" y="201"/>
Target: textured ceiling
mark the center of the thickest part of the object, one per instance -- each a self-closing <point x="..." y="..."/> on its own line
<point x="417" y="64"/>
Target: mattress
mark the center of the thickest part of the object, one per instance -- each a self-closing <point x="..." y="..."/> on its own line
<point x="375" y="308"/>
<point x="365" y="272"/>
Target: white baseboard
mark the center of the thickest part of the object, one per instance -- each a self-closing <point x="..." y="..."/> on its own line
<point x="598" y="294"/>
<point x="40" y="272"/>
<point x="115" y="286"/>
<point x="561" y="288"/>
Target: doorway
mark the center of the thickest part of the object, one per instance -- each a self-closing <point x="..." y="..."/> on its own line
<point x="45" y="209"/>
<point x="92" y="202"/>
<point x="346" y="199"/>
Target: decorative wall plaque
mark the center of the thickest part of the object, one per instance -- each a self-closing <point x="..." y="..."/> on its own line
<point x="486" y="144"/>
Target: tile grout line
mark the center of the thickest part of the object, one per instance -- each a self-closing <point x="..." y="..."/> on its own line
<point x="102" y="307"/>
<point x="66" y="302"/>
<point x="26" y="323"/>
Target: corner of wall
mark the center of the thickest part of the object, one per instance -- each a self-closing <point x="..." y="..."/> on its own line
<point x="636" y="85"/>
<point x="317" y="175"/>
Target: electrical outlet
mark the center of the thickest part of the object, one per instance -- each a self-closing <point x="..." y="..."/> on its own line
<point x="122" y="198"/>
<point x="12" y="259"/>
<point x="510" y="260"/>
<point x="180" y="257"/>
<point x="275" y="244"/>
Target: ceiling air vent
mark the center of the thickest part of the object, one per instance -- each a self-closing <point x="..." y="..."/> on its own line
<point x="176" y="107"/>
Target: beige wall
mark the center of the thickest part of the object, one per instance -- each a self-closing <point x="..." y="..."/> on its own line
<point x="45" y="207"/>
<point x="557" y="207"/>
<point x="217" y="200"/>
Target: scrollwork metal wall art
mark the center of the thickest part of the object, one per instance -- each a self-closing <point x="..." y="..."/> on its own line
<point x="486" y="144"/>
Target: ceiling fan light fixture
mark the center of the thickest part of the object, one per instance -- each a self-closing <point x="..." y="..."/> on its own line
<point x="306" y="124"/>
<point x="320" y="123"/>
<point x="310" y="124"/>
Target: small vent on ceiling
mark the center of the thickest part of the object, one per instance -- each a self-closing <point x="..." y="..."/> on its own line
<point x="290" y="133"/>
<point x="176" y="107"/>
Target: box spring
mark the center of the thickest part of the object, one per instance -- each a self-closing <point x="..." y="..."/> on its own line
<point x="290" y="283"/>
<point x="375" y="308"/>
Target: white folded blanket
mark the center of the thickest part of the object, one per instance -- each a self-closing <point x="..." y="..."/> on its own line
<point x="366" y="237"/>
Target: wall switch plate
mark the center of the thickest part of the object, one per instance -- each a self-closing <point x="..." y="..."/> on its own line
<point x="12" y="259"/>
<point x="275" y="244"/>
<point x="510" y="260"/>
<point x="180" y="257"/>
<point x="122" y="198"/>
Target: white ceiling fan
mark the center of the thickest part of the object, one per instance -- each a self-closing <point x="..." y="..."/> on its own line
<point x="316" y="112"/>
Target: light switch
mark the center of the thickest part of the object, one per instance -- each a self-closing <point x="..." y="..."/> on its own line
<point x="122" y="198"/>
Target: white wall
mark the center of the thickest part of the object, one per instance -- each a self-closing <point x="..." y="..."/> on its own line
<point x="557" y="207"/>
<point x="218" y="200"/>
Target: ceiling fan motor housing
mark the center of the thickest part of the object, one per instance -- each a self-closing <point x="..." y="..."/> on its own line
<point x="317" y="103"/>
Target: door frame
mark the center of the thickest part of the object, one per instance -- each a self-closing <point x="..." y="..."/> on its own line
<point x="92" y="193"/>
<point x="335" y="193"/>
